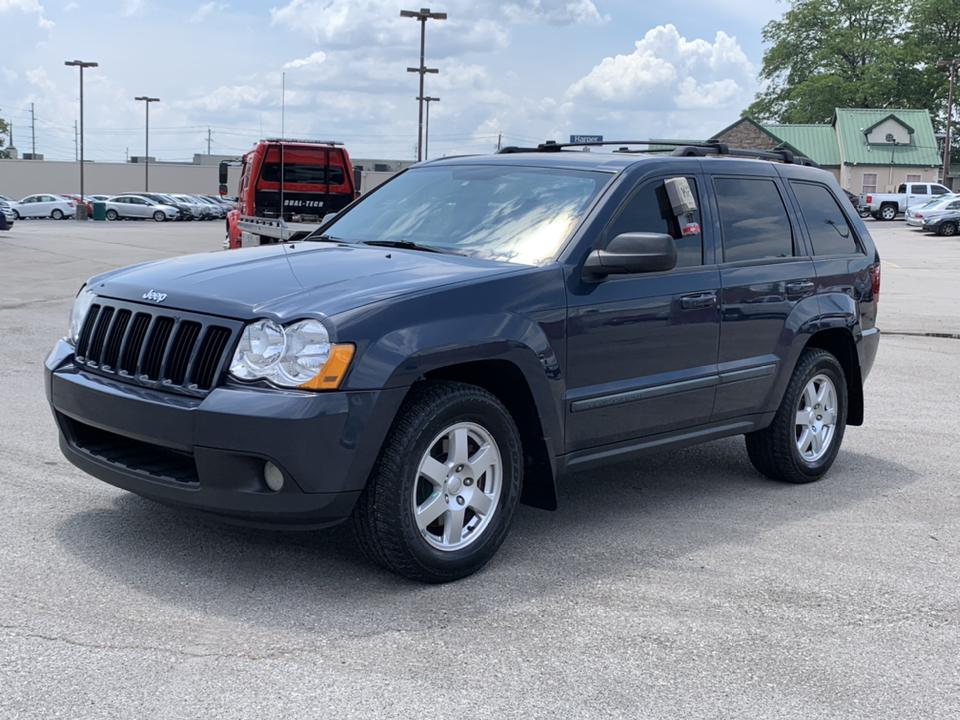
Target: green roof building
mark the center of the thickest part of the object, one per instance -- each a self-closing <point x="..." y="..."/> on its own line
<point x="867" y="150"/>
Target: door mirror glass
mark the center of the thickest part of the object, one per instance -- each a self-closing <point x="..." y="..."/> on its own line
<point x="631" y="253"/>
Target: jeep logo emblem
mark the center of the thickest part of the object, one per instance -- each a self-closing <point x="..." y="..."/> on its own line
<point x="157" y="297"/>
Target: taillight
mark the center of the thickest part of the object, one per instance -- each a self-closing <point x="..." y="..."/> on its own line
<point x="869" y="199"/>
<point x="875" y="281"/>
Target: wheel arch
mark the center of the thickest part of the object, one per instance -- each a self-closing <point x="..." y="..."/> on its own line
<point x="840" y="343"/>
<point x="507" y="382"/>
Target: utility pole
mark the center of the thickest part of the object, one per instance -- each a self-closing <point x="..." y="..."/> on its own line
<point x="76" y="150"/>
<point x="82" y="207"/>
<point x="422" y="16"/>
<point x="146" y="143"/>
<point x="33" y="132"/>
<point x="426" y="132"/>
<point x="952" y="66"/>
<point x="499" y="141"/>
<point x="209" y="140"/>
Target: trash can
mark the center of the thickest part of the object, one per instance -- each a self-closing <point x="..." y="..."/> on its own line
<point x="99" y="210"/>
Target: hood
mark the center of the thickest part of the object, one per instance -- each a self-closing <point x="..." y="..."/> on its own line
<point x="292" y="279"/>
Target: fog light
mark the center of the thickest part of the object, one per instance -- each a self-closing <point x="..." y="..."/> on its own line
<point x="273" y="477"/>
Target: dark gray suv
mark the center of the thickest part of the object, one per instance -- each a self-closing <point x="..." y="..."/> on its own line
<point x="452" y="343"/>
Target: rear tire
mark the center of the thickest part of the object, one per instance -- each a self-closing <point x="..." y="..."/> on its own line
<point x="158" y="216"/>
<point x="433" y="509"/>
<point x="782" y="451"/>
<point x="113" y="215"/>
<point x="888" y="212"/>
<point x="948" y="229"/>
<point x="57" y="214"/>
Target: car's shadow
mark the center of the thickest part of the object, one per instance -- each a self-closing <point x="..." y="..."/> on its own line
<point x="623" y="519"/>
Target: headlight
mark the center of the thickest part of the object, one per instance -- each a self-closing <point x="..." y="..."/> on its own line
<point x="298" y="355"/>
<point x="81" y="306"/>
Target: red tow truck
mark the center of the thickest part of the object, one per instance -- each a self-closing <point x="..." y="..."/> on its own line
<point x="286" y="188"/>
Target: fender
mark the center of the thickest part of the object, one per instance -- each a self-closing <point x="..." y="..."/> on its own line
<point x="801" y="324"/>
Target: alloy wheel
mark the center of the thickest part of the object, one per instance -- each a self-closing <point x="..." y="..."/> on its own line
<point x="816" y="418"/>
<point x="458" y="486"/>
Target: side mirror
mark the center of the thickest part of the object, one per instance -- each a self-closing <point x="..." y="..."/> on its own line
<point x="631" y="253"/>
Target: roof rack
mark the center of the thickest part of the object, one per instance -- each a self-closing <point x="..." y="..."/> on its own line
<point x="680" y="149"/>
<point x="304" y="142"/>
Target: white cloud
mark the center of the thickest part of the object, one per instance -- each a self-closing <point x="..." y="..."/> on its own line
<point x="316" y="58"/>
<point x="667" y="71"/>
<point x="206" y="10"/>
<point x="29" y="7"/>
<point x="226" y="98"/>
<point x="554" y="12"/>
<point x="129" y="8"/>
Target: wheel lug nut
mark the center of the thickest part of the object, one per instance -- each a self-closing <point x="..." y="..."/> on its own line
<point x="460" y="500"/>
<point x="468" y="481"/>
<point x="458" y="468"/>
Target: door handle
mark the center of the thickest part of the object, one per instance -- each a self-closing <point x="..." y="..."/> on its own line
<point x="698" y="300"/>
<point x="800" y="287"/>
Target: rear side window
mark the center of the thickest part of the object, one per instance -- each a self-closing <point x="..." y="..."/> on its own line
<point x="919" y="190"/>
<point x="649" y="210"/>
<point x="826" y="224"/>
<point x="753" y="219"/>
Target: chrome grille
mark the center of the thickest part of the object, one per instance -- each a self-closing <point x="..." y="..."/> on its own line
<point x="182" y="352"/>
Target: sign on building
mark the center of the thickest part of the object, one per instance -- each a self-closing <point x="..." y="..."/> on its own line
<point x="586" y="138"/>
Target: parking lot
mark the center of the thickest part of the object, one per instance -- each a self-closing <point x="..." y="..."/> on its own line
<point x="684" y="585"/>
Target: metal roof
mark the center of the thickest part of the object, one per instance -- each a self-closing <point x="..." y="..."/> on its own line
<point x="851" y="124"/>
<point x="817" y="142"/>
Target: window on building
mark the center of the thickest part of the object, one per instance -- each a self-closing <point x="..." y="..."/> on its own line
<point x="869" y="184"/>
<point x="649" y="210"/>
<point x="911" y="178"/>
<point x="753" y="220"/>
<point x="826" y="224"/>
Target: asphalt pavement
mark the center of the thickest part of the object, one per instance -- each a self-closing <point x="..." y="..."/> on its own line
<point x="681" y="586"/>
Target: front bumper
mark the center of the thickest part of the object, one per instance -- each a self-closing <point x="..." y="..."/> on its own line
<point x="915" y="221"/>
<point x="208" y="454"/>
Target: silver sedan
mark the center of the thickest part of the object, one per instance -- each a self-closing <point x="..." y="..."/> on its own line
<point x="136" y="206"/>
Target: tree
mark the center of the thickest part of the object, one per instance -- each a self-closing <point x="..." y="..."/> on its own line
<point x="934" y="35"/>
<point x="4" y="132"/>
<point x="825" y="54"/>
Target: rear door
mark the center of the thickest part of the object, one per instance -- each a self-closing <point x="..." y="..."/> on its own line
<point x="642" y="349"/>
<point x="765" y="272"/>
<point x="917" y="194"/>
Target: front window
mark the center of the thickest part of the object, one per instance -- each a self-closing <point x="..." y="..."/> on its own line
<point x="514" y="214"/>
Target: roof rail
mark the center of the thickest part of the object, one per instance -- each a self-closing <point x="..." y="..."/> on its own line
<point x="682" y="149"/>
<point x="303" y="142"/>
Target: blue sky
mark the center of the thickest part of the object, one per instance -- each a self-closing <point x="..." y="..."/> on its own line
<point x="530" y="69"/>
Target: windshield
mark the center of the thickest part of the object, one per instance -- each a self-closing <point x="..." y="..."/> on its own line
<point x="513" y="214"/>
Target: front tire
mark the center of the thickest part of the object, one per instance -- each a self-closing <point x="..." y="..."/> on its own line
<point x="442" y="494"/>
<point x="16" y="215"/>
<point x="804" y="438"/>
<point x="158" y="216"/>
<point x="57" y="214"/>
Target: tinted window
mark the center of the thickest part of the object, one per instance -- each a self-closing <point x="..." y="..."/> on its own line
<point x="938" y="190"/>
<point x="919" y="190"/>
<point x="649" y="210"/>
<point x="305" y="174"/>
<point x="753" y="220"/>
<point x="828" y="229"/>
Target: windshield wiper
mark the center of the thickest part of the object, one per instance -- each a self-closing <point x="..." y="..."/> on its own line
<point x="408" y="245"/>
<point x="323" y="238"/>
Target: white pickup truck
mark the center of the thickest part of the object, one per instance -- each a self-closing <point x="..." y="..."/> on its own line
<point x="886" y="206"/>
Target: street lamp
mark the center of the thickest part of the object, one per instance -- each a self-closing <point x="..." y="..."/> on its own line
<point x="146" y="149"/>
<point x="82" y="208"/>
<point x="422" y="16"/>
<point x="426" y="132"/>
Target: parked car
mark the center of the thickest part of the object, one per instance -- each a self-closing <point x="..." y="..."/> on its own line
<point x="200" y="210"/>
<point x="138" y="207"/>
<point x="7" y="217"/>
<point x="886" y="206"/>
<point x="855" y="202"/>
<point x="945" y="223"/>
<point x="6" y="199"/>
<point x="43" y="205"/>
<point x="217" y="211"/>
<point x="186" y="211"/>
<point x="469" y="331"/>
<point x="918" y="217"/>
<point x="87" y="200"/>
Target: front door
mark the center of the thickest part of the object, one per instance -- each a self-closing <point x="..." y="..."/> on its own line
<point x="642" y="349"/>
<point x="765" y="274"/>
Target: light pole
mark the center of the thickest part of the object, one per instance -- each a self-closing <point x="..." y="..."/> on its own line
<point x="426" y="131"/>
<point x="952" y="66"/>
<point x="422" y="16"/>
<point x="82" y="208"/>
<point x="146" y="143"/>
